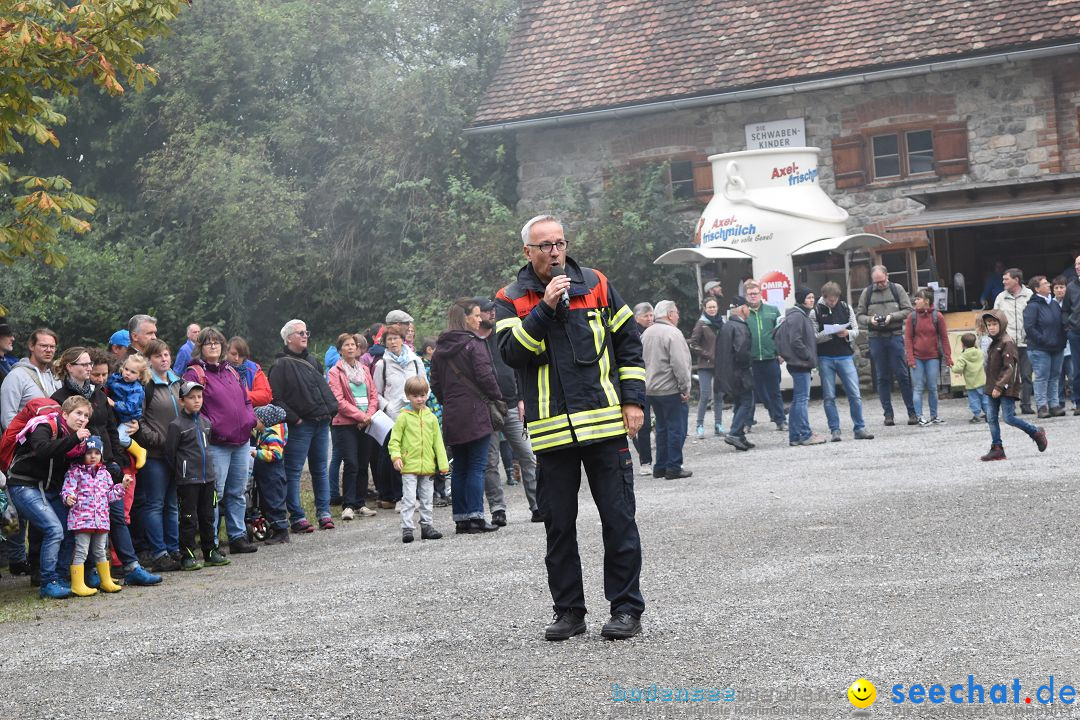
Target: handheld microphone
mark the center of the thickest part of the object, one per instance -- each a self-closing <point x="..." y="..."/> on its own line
<point x="557" y="270"/>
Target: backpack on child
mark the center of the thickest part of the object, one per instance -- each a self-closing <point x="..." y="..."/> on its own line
<point x="37" y="407"/>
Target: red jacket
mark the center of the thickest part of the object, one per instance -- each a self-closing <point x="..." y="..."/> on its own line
<point x="921" y="341"/>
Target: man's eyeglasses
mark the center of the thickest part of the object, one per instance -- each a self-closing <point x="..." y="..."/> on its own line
<point x="545" y="247"/>
<point x="302" y="333"/>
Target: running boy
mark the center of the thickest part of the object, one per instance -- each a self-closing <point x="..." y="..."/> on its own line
<point x="1003" y="385"/>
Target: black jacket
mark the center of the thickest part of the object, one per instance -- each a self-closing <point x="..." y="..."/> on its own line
<point x="1043" y="325"/>
<point x="504" y="374"/>
<point x="42" y="450"/>
<point x="1070" y="306"/>
<point x="185" y="449"/>
<point x="102" y="424"/>
<point x="733" y="358"/>
<point x="577" y="365"/>
<point x="300" y="388"/>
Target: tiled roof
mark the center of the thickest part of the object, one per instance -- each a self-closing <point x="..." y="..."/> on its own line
<point x="569" y="56"/>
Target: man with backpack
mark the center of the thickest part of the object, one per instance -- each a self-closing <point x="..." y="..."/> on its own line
<point x="32" y="377"/>
<point x="836" y="356"/>
<point x="926" y="343"/>
<point x="882" y="309"/>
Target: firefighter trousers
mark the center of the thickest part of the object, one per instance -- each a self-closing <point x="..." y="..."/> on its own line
<point x="610" y="471"/>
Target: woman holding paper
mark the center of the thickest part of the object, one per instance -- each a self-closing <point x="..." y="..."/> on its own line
<point x="357" y="401"/>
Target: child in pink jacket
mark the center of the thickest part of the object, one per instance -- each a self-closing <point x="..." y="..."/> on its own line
<point x="88" y="490"/>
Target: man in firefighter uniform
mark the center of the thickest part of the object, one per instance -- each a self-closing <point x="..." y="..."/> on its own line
<point x="570" y="338"/>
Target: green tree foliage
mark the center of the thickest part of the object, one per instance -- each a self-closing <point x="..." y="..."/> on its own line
<point x="304" y="158"/>
<point x="634" y="222"/>
<point x="47" y="49"/>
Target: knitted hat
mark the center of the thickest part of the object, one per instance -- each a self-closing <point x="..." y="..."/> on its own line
<point x="270" y="414"/>
<point x="121" y="338"/>
<point x="801" y="293"/>
<point x="94" y="443"/>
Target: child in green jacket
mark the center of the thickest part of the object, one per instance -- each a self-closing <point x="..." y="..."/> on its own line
<point x="417" y="451"/>
<point x="972" y="363"/>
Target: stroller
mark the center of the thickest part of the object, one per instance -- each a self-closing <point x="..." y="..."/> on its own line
<point x="258" y="528"/>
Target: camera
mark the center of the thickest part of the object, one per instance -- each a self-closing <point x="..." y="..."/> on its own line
<point x="879" y="319"/>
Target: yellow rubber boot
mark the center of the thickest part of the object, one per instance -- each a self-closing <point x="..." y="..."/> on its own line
<point x="107" y="584"/>
<point x="78" y="582"/>
<point x="136" y="451"/>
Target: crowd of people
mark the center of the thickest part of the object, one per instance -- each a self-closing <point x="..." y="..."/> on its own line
<point x="1024" y="348"/>
<point x="124" y="462"/>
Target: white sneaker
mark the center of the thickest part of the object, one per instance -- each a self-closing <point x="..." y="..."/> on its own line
<point x="347" y="514"/>
<point x="646" y="469"/>
<point x="366" y="512"/>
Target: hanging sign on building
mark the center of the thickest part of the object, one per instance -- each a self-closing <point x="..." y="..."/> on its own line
<point x="776" y="134"/>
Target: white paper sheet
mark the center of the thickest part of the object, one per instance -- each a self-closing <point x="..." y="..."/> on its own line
<point x="380" y="427"/>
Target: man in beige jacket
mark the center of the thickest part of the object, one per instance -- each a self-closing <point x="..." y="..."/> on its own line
<point x="667" y="387"/>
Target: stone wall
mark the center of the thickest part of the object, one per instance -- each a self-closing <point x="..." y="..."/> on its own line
<point x="1022" y="123"/>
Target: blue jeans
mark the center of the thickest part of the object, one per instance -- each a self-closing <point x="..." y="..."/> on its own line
<point x="40" y="513"/>
<point x="1074" y="372"/>
<point x="467" y="479"/>
<point x="1065" y="379"/>
<point x="271" y="482"/>
<point x="334" y="480"/>
<point x="709" y="390"/>
<point x="672" y="415"/>
<point x="977" y="402"/>
<point x="13" y="546"/>
<point x="230" y="483"/>
<point x="309" y="442"/>
<point x="925" y="372"/>
<point x="767" y="388"/>
<point x="1047" y="368"/>
<point x="798" y="417"/>
<point x="643" y="440"/>
<point x="844" y="366"/>
<point x="742" y="413"/>
<point x="158" y="511"/>
<point x="887" y="355"/>
<point x="1008" y="411"/>
<point x="120" y="535"/>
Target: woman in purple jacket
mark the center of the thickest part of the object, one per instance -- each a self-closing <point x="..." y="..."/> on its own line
<point x="228" y="407"/>
<point x="460" y="363"/>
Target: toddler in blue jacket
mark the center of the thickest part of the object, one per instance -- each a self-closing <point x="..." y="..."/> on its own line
<point x="127" y="395"/>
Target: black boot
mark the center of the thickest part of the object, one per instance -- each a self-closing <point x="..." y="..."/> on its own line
<point x="565" y="625"/>
<point x="461" y="527"/>
<point x="621" y="626"/>
<point x="480" y="525"/>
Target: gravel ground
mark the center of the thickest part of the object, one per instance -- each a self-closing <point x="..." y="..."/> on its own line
<point x="783" y="574"/>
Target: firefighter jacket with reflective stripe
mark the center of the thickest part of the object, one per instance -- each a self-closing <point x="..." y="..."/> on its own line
<point x="576" y="366"/>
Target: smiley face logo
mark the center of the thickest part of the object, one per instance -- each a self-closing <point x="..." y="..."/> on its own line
<point x="862" y="693"/>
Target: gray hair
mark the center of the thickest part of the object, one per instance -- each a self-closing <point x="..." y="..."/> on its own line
<point x="527" y="228"/>
<point x="880" y="269"/>
<point x="137" y="321"/>
<point x="289" y="328"/>
<point x="642" y="308"/>
<point x="664" y="308"/>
